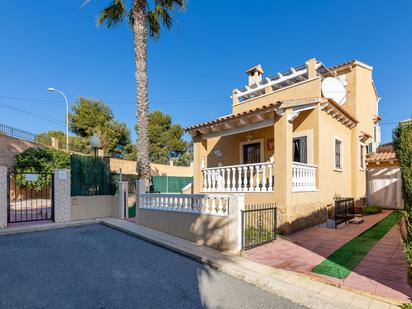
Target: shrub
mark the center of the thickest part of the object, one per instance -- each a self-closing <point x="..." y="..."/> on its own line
<point x="37" y="160"/>
<point x="371" y="210"/>
<point x="402" y="144"/>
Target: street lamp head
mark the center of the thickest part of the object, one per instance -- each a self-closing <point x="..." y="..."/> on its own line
<point x="95" y="141"/>
<point x="51" y="89"/>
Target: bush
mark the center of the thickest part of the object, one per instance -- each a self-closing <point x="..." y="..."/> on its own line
<point x="402" y="144"/>
<point x="37" y="160"/>
<point x="254" y="235"/>
<point x="371" y="210"/>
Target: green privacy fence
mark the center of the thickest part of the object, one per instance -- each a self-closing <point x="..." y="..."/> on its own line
<point x="91" y="176"/>
<point x="173" y="184"/>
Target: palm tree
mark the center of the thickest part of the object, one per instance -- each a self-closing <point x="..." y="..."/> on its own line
<point x="145" y="20"/>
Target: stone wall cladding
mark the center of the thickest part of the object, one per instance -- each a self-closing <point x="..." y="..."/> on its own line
<point x="62" y="198"/>
<point x="3" y="196"/>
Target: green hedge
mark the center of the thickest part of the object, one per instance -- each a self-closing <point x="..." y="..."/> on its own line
<point x="402" y="144"/>
<point x="92" y="176"/>
<point x="371" y="210"/>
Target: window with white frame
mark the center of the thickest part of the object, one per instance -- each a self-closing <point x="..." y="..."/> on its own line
<point x="251" y="151"/>
<point x="338" y="153"/>
<point x="300" y="149"/>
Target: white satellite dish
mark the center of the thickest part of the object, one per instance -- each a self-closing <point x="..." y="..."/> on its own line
<point x="333" y="88"/>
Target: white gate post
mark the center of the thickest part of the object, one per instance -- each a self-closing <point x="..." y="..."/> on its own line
<point x="236" y="205"/>
<point x="141" y="188"/>
<point x="62" y="196"/>
<point x="123" y="199"/>
<point x="3" y="196"/>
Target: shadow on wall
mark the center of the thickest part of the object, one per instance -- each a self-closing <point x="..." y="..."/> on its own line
<point x="208" y="230"/>
<point x="384" y="188"/>
<point x="314" y="217"/>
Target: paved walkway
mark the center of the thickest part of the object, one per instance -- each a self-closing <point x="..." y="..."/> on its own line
<point x="382" y="272"/>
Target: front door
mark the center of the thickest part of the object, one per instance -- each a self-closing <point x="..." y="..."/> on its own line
<point x="251" y="153"/>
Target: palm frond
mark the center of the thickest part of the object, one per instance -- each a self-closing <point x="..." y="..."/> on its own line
<point x="153" y="25"/>
<point x="162" y="13"/>
<point x="113" y="14"/>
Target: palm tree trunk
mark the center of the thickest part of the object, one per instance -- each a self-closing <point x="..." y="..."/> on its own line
<point x="140" y="53"/>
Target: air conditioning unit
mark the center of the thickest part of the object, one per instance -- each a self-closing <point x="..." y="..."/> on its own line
<point x="372" y="147"/>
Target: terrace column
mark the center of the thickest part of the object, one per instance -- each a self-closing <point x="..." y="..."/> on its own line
<point x="199" y="152"/>
<point x="283" y="159"/>
<point x="62" y="196"/>
<point x="3" y="196"/>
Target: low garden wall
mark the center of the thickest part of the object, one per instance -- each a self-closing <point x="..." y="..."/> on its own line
<point x="207" y="230"/>
<point x="93" y="207"/>
<point x="212" y="220"/>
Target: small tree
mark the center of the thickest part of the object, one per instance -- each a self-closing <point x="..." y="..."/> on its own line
<point x="165" y="138"/>
<point x="76" y="143"/>
<point x="94" y="116"/>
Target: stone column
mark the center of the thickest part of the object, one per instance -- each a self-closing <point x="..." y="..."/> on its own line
<point x="123" y="212"/>
<point x="199" y="156"/>
<point x="62" y="198"/>
<point x="236" y="205"/>
<point x="3" y="196"/>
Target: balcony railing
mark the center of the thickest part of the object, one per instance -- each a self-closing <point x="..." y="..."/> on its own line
<point x="303" y="177"/>
<point x="256" y="177"/>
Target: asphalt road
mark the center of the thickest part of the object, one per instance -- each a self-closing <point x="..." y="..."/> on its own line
<point x="95" y="266"/>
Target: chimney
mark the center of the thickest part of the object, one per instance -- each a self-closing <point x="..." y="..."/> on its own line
<point x="54" y="143"/>
<point x="255" y="74"/>
<point x="311" y="66"/>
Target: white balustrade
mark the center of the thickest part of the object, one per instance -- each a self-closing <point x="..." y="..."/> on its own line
<point x="256" y="177"/>
<point x="211" y="204"/>
<point x="303" y="177"/>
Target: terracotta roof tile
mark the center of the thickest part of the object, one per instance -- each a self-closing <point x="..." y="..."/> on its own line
<point x="384" y="152"/>
<point x="382" y="156"/>
<point x="233" y="116"/>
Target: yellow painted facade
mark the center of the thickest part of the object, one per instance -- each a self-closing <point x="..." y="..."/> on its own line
<point x="296" y="110"/>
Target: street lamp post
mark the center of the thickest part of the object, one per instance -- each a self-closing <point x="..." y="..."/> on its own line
<point x="67" y="115"/>
<point x="96" y="144"/>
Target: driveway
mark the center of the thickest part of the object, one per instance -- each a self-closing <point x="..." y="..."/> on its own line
<point x="94" y="266"/>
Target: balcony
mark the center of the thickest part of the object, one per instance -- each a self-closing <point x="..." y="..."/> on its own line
<point x="256" y="177"/>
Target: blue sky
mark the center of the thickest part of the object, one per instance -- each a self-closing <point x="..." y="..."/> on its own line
<point x="57" y="44"/>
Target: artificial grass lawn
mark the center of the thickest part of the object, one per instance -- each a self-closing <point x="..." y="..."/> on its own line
<point x="341" y="262"/>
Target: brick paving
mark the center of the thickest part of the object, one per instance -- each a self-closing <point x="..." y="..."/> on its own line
<point x="382" y="272"/>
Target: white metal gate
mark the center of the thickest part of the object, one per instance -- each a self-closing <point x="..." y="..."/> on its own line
<point x="385" y="187"/>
